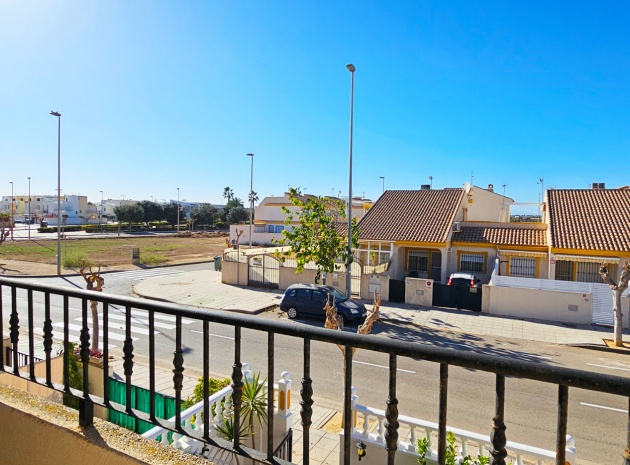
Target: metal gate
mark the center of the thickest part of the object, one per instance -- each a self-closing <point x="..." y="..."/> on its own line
<point x="460" y="297"/>
<point x="264" y="270"/>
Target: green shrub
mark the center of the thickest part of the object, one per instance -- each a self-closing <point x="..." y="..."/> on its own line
<point x="75" y="260"/>
<point x="152" y="259"/>
<point x="451" y="453"/>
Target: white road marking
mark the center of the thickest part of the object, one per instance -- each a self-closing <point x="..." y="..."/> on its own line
<point x="383" y="366"/>
<point x="157" y="324"/>
<point x="145" y="314"/>
<point x="72" y="327"/>
<point x="607" y="366"/>
<point x="120" y="327"/>
<point x="542" y="357"/>
<point x="212" y="334"/>
<point x="604" y="407"/>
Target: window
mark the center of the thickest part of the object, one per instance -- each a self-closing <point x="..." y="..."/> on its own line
<point x="522" y="266"/>
<point x="417" y="261"/>
<point x="564" y="270"/>
<point x="259" y="229"/>
<point x="304" y="294"/>
<point x="589" y="272"/>
<point x="471" y="263"/>
<point x="275" y="228"/>
<point x="320" y="297"/>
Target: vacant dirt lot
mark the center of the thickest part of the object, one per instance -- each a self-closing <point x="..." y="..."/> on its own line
<point x="117" y="251"/>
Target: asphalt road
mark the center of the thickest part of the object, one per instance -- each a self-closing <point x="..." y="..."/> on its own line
<point x="597" y="421"/>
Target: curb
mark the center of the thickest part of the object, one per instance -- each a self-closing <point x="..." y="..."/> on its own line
<point x="602" y="348"/>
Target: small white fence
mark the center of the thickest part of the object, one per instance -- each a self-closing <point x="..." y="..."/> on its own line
<point x="221" y="403"/>
<point x="369" y="427"/>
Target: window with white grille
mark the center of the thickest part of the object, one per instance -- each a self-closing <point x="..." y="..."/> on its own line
<point x="589" y="272"/>
<point x="417" y="261"/>
<point x="471" y="263"/>
<point x="523" y="266"/>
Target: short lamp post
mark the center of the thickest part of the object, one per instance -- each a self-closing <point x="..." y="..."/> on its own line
<point x="29" y="208"/>
<point x="178" y="207"/>
<point x="100" y="216"/>
<point x="11" y="182"/>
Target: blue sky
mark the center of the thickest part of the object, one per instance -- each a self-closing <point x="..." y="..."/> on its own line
<point x="156" y="95"/>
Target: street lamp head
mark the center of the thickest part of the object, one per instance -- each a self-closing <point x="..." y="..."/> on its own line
<point x="351" y="67"/>
<point x="250" y="154"/>
<point x="55" y="113"/>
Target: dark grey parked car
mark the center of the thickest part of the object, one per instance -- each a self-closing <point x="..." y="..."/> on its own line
<point x="310" y="299"/>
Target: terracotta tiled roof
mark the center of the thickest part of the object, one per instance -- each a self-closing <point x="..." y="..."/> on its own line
<point x="502" y="236"/>
<point x="417" y="216"/>
<point x="590" y="219"/>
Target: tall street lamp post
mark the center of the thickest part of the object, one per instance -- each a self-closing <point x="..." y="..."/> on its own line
<point x="100" y="216"/>
<point x="178" y="207"/>
<point x="352" y="69"/>
<point x="29" y="208"/>
<point x="11" y="182"/>
<point x="251" y="199"/>
<point x="383" y="178"/>
<point x="58" y="115"/>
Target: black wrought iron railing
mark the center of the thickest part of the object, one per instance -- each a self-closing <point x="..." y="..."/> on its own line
<point x="23" y="359"/>
<point x="23" y="309"/>
<point x="284" y="450"/>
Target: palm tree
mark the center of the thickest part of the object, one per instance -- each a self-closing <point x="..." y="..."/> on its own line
<point x="252" y="197"/>
<point x="228" y="193"/>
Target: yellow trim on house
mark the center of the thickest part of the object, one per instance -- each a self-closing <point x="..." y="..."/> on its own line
<point x="435" y="245"/>
<point x="587" y="253"/>
<point x="485" y="258"/>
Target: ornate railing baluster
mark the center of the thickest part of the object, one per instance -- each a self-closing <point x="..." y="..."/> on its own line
<point x="391" y="413"/>
<point x="128" y="358"/>
<point x="152" y="365"/>
<point x="497" y="437"/>
<point x="347" y="404"/>
<point x="48" y="338"/>
<point x="237" y="386"/>
<point x="31" y="335"/>
<point x="442" y="414"/>
<point x="67" y="347"/>
<point x="306" y="404"/>
<point x="270" y="391"/>
<point x="178" y="371"/>
<point x="563" y="413"/>
<point x="106" y="353"/>
<point x="86" y="408"/>
<point x="14" y="329"/>
<point x="206" y="375"/>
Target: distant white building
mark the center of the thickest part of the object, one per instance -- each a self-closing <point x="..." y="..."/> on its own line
<point x="74" y="208"/>
<point x="269" y="218"/>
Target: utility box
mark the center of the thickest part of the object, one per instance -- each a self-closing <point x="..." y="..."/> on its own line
<point x="135" y="255"/>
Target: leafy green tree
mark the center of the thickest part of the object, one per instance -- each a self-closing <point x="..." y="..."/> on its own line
<point x="237" y="215"/>
<point x="205" y="214"/>
<point x="234" y="202"/>
<point x="321" y="235"/>
<point x="170" y="213"/>
<point x="131" y="213"/>
<point x="153" y="211"/>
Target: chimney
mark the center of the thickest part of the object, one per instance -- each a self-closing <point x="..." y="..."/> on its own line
<point x="491" y="187"/>
<point x="425" y="187"/>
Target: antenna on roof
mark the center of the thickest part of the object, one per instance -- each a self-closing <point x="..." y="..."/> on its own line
<point x="471" y="178"/>
<point x="431" y="181"/>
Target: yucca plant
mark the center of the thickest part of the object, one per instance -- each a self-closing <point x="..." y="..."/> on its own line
<point x="254" y="403"/>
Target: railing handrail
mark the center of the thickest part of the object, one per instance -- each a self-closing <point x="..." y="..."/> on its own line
<point x="491" y="363"/>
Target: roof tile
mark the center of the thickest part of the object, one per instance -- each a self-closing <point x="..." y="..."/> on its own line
<point x="502" y="236"/>
<point x="411" y="215"/>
